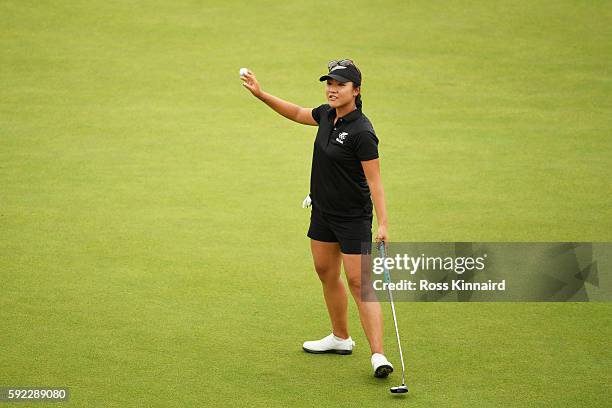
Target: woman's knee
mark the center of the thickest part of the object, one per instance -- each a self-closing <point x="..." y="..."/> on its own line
<point x="327" y="273"/>
<point x="352" y="266"/>
<point x="327" y="259"/>
<point x="354" y="284"/>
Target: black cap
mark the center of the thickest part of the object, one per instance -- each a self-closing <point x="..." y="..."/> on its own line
<point x="344" y="74"/>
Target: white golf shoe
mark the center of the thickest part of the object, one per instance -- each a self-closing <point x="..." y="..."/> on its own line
<point x="329" y="344"/>
<point x="381" y="366"/>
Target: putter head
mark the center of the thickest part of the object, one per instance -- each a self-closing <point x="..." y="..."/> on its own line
<point x="402" y="389"/>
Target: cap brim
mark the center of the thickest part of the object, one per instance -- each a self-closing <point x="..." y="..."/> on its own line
<point x="334" y="76"/>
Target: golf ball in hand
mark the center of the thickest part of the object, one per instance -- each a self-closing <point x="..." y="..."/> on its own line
<point x="243" y="71"/>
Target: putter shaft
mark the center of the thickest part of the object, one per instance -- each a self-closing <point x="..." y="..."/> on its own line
<point x="399" y="343"/>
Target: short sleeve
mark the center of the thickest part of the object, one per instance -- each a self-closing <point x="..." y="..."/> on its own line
<point x="318" y="112"/>
<point x="366" y="146"/>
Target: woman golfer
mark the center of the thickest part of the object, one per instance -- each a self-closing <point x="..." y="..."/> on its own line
<point x="345" y="171"/>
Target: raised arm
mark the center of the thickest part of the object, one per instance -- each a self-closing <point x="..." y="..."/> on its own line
<point x="371" y="169"/>
<point x="287" y="109"/>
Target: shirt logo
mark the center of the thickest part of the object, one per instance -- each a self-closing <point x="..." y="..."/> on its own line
<point x="341" y="137"/>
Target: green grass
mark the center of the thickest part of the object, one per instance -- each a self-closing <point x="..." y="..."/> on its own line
<point x="152" y="244"/>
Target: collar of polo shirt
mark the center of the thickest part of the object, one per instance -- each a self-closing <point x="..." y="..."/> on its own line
<point x="346" y="118"/>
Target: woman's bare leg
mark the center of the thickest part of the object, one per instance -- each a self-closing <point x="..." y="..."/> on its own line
<point x="370" y="313"/>
<point x="327" y="259"/>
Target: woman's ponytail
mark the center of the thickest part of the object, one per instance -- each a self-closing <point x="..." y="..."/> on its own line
<point x="358" y="102"/>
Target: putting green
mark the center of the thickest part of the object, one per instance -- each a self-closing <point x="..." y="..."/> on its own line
<point x="153" y="248"/>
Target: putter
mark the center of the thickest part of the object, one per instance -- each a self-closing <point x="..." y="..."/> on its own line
<point x="402" y="389"/>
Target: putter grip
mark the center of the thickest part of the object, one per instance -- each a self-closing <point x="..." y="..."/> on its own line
<point x="386" y="274"/>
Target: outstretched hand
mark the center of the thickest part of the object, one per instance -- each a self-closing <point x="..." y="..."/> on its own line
<point x="250" y="83"/>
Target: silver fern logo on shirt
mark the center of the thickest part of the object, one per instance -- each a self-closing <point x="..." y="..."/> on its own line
<point x="341" y="137"/>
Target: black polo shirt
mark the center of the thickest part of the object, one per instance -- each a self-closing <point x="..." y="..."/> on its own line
<point x="338" y="185"/>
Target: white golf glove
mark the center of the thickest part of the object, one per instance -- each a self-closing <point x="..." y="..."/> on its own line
<point x="307" y="201"/>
